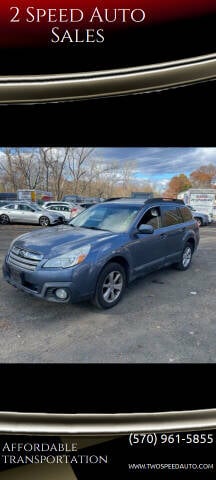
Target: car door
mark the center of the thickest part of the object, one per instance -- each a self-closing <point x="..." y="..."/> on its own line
<point x="14" y="213"/>
<point x="27" y="214"/>
<point x="148" y="250"/>
<point x="174" y="229"/>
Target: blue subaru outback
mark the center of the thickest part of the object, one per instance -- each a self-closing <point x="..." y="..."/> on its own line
<point x="104" y="248"/>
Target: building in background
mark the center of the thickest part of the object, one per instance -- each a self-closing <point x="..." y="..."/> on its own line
<point x="202" y="199"/>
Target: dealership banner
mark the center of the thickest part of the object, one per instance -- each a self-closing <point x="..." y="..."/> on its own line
<point x="62" y="50"/>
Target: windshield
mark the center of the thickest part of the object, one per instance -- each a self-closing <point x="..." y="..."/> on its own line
<point x="36" y="207"/>
<point x="114" y="218"/>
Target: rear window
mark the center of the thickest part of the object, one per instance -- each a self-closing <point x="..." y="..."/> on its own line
<point x="11" y="206"/>
<point x="186" y="214"/>
<point x="171" y="216"/>
<point x="59" y="208"/>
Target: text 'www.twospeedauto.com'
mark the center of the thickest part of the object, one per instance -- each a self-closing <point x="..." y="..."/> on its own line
<point x="172" y="466"/>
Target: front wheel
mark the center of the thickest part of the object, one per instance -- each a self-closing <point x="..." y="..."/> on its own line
<point x="186" y="257"/>
<point x="44" y="221"/>
<point x="4" y="219"/>
<point x="110" y="286"/>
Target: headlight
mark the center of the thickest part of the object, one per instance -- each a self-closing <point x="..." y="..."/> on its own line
<point x="69" y="259"/>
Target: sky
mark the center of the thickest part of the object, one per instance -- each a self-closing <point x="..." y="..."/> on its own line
<point x="159" y="165"/>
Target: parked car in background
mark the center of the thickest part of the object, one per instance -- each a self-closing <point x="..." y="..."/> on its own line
<point x="79" y="207"/>
<point x="69" y="210"/>
<point x="203" y="219"/>
<point x="72" y="198"/>
<point x="100" y="251"/>
<point x="57" y="202"/>
<point x="63" y="209"/>
<point x="26" y="212"/>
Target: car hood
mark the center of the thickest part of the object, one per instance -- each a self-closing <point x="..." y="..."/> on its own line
<point x="60" y="239"/>
<point x="200" y="213"/>
<point x="197" y="212"/>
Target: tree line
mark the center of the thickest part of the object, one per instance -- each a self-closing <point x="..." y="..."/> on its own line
<point x="202" y="177"/>
<point x="67" y="170"/>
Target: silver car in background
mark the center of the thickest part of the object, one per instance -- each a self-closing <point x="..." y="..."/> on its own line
<point x="80" y="207"/>
<point x="61" y="208"/>
<point x="52" y="203"/>
<point x="26" y="212"/>
<point x="203" y="219"/>
<point x="69" y="210"/>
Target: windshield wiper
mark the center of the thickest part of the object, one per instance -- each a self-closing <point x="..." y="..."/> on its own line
<point x="90" y="228"/>
<point x="97" y="228"/>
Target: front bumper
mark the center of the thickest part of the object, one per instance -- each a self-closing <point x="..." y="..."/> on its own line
<point x="57" y="221"/>
<point x="42" y="283"/>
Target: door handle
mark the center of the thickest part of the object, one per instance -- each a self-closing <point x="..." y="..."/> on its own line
<point x="163" y="235"/>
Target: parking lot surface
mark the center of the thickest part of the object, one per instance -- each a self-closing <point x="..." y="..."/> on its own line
<point x="168" y="316"/>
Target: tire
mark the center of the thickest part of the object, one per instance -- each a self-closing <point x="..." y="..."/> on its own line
<point x="199" y="221"/>
<point x="4" y="219"/>
<point x="107" y="294"/>
<point x="44" y="221"/>
<point x="186" y="257"/>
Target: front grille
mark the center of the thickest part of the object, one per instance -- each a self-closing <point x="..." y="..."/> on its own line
<point x="24" y="259"/>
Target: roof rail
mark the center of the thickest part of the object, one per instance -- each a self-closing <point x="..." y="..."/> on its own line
<point x="164" y="199"/>
<point x="148" y="200"/>
<point x="111" y="199"/>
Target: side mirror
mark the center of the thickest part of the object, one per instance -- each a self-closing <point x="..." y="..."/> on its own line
<point x="145" y="229"/>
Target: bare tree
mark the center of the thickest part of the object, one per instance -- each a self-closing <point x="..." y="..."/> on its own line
<point x="28" y="165"/>
<point x="78" y="165"/>
<point x="8" y="169"/>
<point x="44" y="154"/>
<point x="58" y="159"/>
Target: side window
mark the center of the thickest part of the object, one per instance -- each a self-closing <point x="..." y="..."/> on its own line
<point x="151" y="217"/>
<point x="186" y="214"/>
<point x="11" y="207"/>
<point x="26" y="208"/>
<point x="171" y="216"/>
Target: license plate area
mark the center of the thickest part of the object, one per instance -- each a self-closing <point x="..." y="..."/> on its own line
<point x="15" y="275"/>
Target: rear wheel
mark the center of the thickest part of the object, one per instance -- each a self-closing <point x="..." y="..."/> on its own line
<point x="44" y="221"/>
<point x="4" y="219"/>
<point x="186" y="257"/>
<point x="110" y="286"/>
